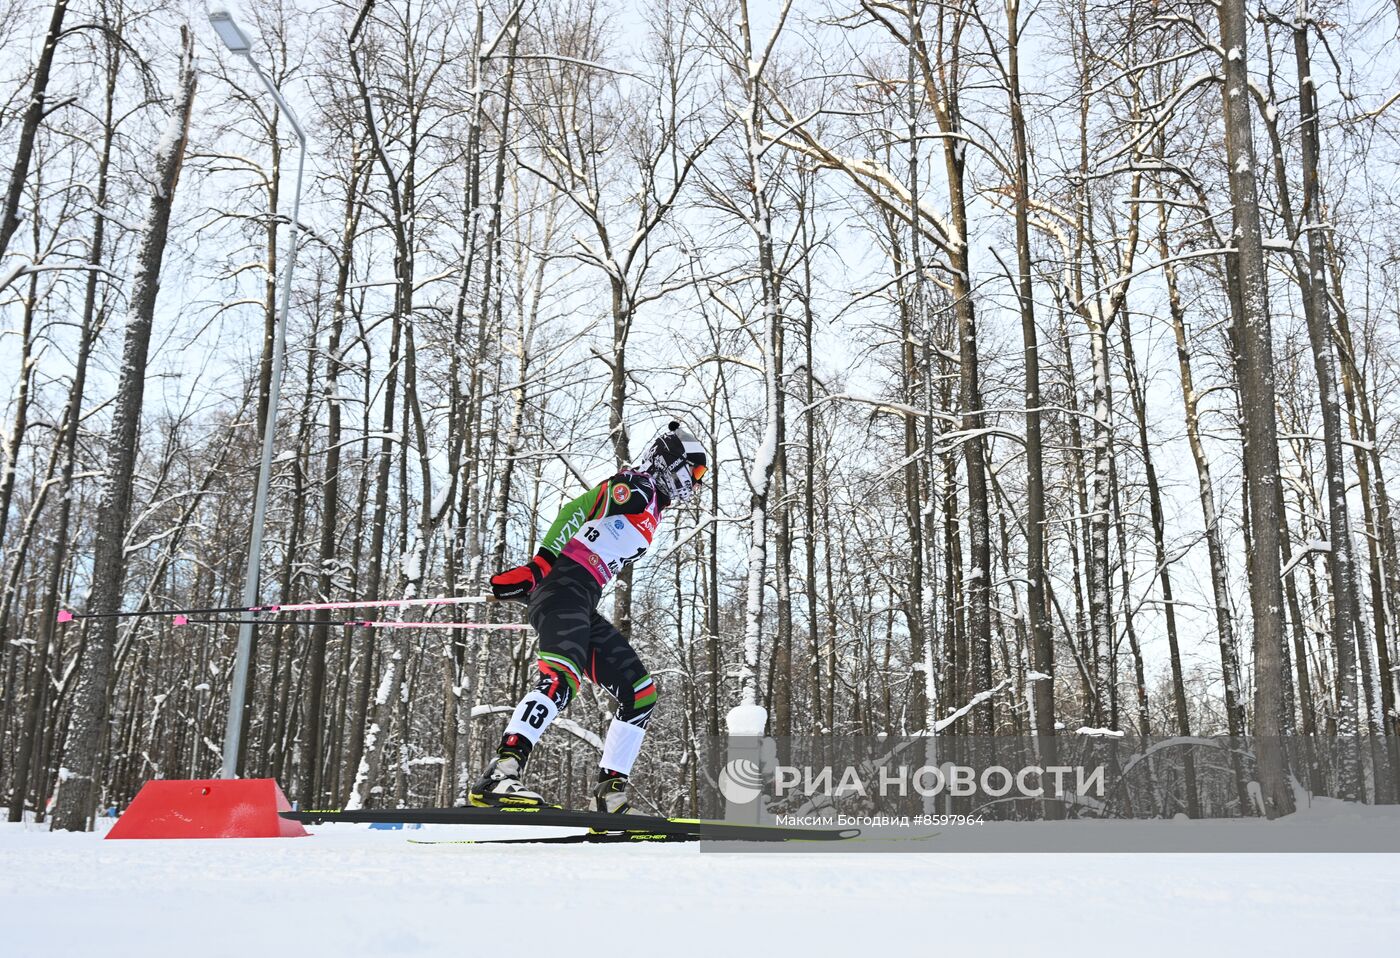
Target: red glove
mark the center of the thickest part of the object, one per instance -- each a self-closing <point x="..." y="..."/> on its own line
<point x="519" y="582"/>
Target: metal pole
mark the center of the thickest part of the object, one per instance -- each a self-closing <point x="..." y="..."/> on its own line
<point x="238" y="694"/>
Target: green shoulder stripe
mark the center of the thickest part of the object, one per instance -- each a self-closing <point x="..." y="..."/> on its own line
<point x="572" y="517"/>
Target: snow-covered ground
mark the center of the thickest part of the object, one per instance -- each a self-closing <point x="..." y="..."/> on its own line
<point x="350" y="891"/>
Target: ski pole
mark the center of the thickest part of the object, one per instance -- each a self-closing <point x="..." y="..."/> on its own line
<point x="358" y="623"/>
<point x="66" y="615"/>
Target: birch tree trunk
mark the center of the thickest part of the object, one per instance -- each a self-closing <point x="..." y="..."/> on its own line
<point x="371" y="725"/>
<point x="315" y="663"/>
<point x="80" y="786"/>
<point x="1316" y="308"/>
<point x="1215" y="546"/>
<point x="766" y="455"/>
<point x="34" y="112"/>
<point x="943" y="70"/>
<point x="1255" y="372"/>
<point x="1042" y="691"/>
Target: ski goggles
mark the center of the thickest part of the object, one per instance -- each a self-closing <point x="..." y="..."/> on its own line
<point x="697" y="473"/>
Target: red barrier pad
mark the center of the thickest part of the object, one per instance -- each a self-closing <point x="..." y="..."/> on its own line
<point x="208" y="808"/>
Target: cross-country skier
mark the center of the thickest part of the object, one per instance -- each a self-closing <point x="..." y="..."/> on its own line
<point x="593" y="538"/>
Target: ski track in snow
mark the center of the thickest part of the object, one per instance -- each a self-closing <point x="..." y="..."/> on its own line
<point x="350" y="891"/>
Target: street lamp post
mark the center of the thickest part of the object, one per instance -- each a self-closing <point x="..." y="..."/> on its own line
<point x="238" y="42"/>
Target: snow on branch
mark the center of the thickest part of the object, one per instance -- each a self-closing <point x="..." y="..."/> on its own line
<point x="881" y="405"/>
<point x="1308" y="549"/>
<point x="971" y="704"/>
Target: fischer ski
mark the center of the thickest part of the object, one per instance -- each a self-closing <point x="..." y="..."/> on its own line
<point x="667" y="829"/>
<point x="586" y="838"/>
<point x="644" y="838"/>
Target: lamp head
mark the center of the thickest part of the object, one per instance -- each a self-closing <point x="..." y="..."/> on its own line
<point x="230" y="32"/>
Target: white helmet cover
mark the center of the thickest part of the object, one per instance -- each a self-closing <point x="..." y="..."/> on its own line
<point x="676" y="461"/>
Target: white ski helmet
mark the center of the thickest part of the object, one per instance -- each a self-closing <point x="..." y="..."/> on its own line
<point x="676" y="461"/>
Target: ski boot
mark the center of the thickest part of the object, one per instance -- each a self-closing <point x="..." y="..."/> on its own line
<point x="610" y="796"/>
<point x="500" y="786"/>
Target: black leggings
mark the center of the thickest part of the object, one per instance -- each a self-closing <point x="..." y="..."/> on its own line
<point x="576" y="642"/>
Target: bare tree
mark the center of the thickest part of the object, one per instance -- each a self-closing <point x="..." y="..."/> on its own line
<point x="1255" y="369"/>
<point x="88" y="732"/>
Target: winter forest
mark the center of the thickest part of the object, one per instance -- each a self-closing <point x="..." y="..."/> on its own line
<point x="1046" y="355"/>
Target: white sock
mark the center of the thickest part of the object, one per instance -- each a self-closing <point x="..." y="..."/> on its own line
<point x="532" y="716"/>
<point x="621" y="747"/>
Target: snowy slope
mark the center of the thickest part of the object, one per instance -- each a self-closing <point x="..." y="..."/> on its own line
<point x="351" y="891"/>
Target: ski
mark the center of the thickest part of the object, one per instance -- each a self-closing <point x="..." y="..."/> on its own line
<point x="640" y="838"/>
<point x="599" y="822"/>
<point x="587" y="838"/>
<point x="706" y="833"/>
